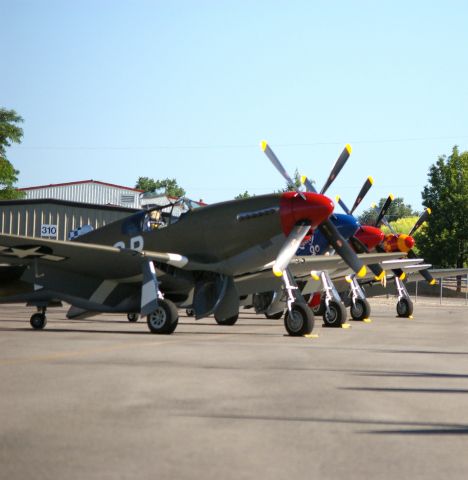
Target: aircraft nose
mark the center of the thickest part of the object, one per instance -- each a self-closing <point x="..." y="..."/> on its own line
<point x="370" y="236"/>
<point x="314" y="208"/>
<point x="405" y="243"/>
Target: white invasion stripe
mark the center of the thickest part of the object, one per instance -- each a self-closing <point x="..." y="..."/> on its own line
<point x="148" y="293"/>
<point x="103" y="291"/>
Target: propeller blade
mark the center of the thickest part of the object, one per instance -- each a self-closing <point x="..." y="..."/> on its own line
<point x="289" y="248"/>
<point x="308" y="184"/>
<point x="424" y="216"/>
<point x="342" y="247"/>
<point x="359" y="247"/>
<point x="339" y="164"/>
<point x="387" y="224"/>
<point x="342" y="204"/>
<point x="275" y="161"/>
<point x="384" y="209"/>
<point x="365" y="188"/>
<point x="425" y="274"/>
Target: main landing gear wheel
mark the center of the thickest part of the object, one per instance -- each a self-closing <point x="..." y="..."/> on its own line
<point x="227" y="321"/>
<point x="274" y="316"/>
<point x="335" y="315"/>
<point x="133" y="317"/>
<point x="164" y="319"/>
<point x="360" y="309"/>
<point x="300" y="321"/>
<point x="404" y="307"/>
<point x="38" y="321"/>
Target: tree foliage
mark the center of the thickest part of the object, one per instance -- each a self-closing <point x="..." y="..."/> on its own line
<point x="444" y="242"/>
<point x="246" y="194"/>
<point x="10" y="133"/>
<point x="297" y="183"/>
<point x="398" y="209"/>
<point x="169" y="185"/>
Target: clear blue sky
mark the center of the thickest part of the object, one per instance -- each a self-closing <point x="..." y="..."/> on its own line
<point x="114" y="90"/>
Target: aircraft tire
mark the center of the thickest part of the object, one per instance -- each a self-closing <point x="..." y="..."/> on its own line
<point x="335" y="316"/>
<point x="38" y="321"/>
<point x="360" y="309"/>
<point x="404" y="308"/>
<point x="227" y="321"/>
<point x="301" y="322"/>
<point x="133" y="317"/>
<point x="164" y="319"/>
<point x="274" y="316"/>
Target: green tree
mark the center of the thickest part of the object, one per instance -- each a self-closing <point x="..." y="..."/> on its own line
<point x="398" y="209"/>
<point x="444" y="242"/>
<point x="169" y="185"/>
<point x="246" y="194"/>
<point x="297" y="183"/>
<point x="10" y="133"/>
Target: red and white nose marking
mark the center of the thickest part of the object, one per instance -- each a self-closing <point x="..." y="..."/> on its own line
<point x="369" y="236"/>
<point x="314" y="209"/>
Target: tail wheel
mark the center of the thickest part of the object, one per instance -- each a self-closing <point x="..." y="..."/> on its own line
<point x="360" y="309"/>
<point x="274" y="316"/>
<point x="300" y="321"/>
<point x="164" y="319"/>
<point x="227" y="321"/>
<point x="404" y="307"/>
<point x="133" y="317"/>
<point x="38" y="321"/>
<point x="335" y="315"/>
<point x="190" y="312"/>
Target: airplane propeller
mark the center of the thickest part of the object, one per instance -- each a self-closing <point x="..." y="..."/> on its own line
<point x="327" y="228"/>
<point x="362" y="193"/>
<point x="423" y="217"/>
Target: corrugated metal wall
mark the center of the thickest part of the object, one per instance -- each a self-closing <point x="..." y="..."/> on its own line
<point x="28" y="217"/>
<point x="89" y="192"/>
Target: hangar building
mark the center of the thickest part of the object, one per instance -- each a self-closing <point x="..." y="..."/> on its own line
<point x="87" y="191"/>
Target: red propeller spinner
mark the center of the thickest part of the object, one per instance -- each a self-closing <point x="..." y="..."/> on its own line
<point x="369" y="236"/>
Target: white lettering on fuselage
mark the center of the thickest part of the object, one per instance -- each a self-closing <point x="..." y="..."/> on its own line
<point x="136" y="243"/>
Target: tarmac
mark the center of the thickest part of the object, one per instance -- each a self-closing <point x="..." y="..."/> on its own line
<point x="103" y="398"/>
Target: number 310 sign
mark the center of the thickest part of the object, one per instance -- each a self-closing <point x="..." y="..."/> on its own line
<point x="49" y="231"/>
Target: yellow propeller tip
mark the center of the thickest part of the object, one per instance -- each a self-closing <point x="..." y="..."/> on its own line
<point x="362" y="272"/>
<point x="373" y="205"/>
<point x="348" y="148"/>
<point x="315" y="276"/>
<point x="403" y="276"/>
<point x="371" y="180"/>
<point x="380" y="276"/>
<point x="391" y="197"/>
<point x="303" y="179"/>
<point x="277" y="273"/>
<point x="432" y="282"/>
<point x="429" y="211"/>
<point x="264" y="145"/>
<point x="337" y="198"/>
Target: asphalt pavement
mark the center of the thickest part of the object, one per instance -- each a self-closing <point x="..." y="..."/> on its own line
<point x="103" y="398"/>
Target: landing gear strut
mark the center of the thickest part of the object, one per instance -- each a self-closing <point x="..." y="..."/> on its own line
<point x="360" y="308"/>
<point x="404" y="306"/>
<point x="334" y="314"/>
<point x="299" y="319"/>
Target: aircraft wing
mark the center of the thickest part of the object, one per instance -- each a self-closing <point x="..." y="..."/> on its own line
<point x="83" y="258"/>
<point x="439" y="273"/>
<point x="334" y="264"/>
<point x="301" y="266"/>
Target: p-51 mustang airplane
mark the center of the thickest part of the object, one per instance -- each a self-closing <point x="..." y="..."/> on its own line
<point x="127" y="266"/>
